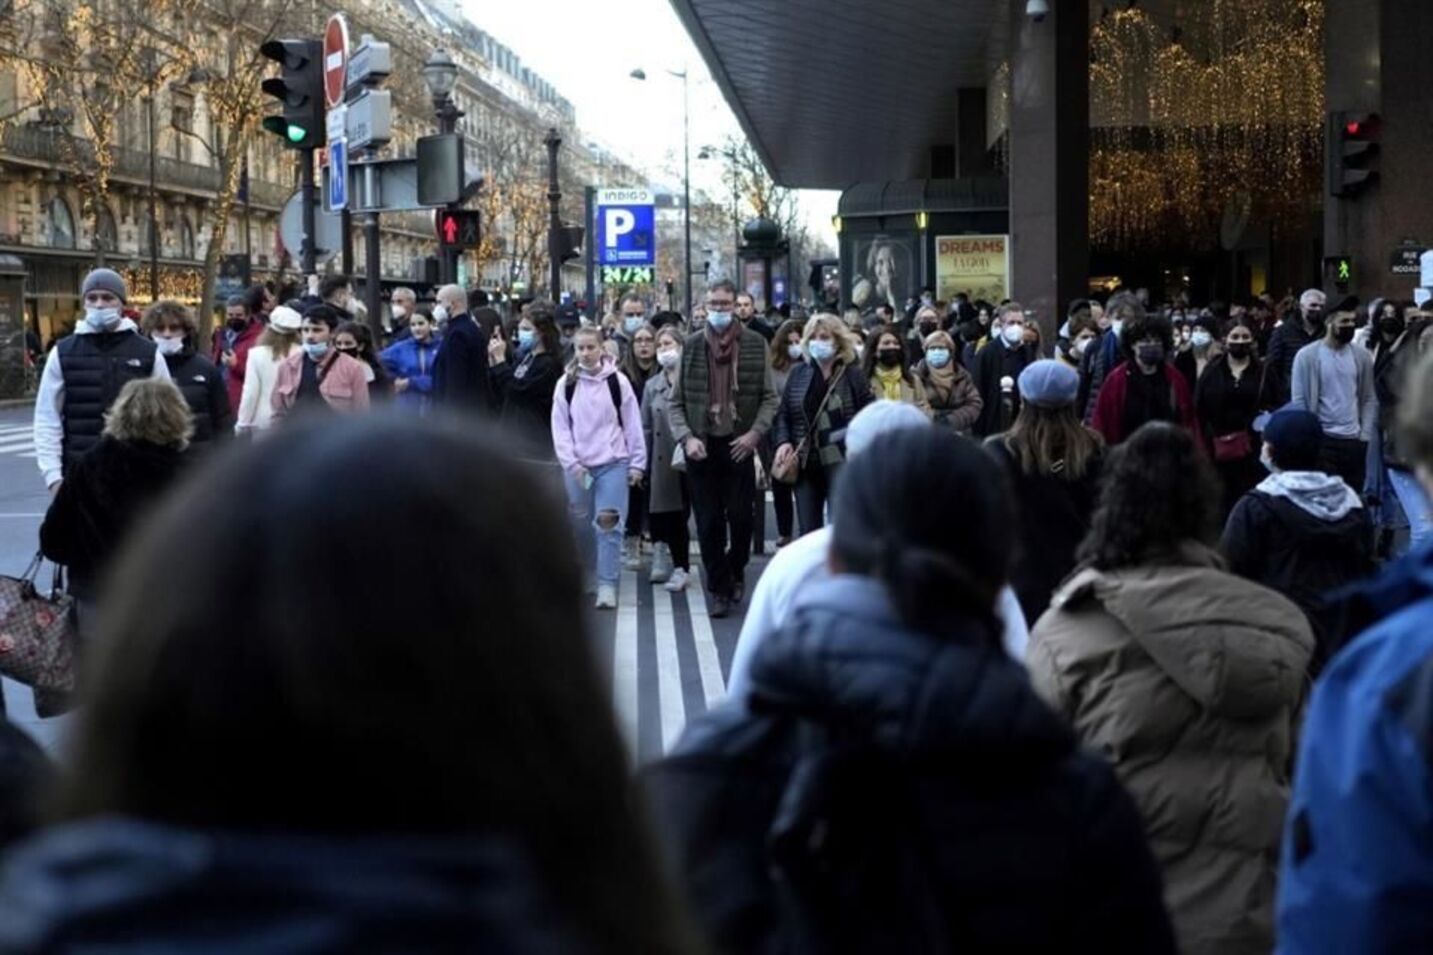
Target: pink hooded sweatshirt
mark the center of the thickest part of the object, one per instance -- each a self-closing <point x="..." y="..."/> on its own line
<point x="588" y="432"/>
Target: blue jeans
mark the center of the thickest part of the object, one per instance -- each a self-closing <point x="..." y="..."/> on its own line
<point x="598" y="513"/>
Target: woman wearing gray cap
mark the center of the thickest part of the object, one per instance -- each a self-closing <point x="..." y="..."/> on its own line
<point x="85" y="373"/>
<point x="1054" y="465"/>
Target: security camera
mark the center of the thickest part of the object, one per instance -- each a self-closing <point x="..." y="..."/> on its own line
<point x="1037" y="9"/>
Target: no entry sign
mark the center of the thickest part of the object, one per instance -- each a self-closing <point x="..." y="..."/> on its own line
<point x="335" y="60"/>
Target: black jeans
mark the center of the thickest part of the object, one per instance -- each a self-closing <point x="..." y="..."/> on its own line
<point x="1347" y="458"/>
<point x="637" y="511"/>
<point x="813" y="491"/>
<point x="783" y="499"/>
<point x="722" y="494"/>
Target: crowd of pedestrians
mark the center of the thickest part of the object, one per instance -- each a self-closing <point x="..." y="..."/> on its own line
<point x="1125" y="649"/>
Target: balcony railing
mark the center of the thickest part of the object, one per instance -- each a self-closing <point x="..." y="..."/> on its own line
<point x="50" y="147"/>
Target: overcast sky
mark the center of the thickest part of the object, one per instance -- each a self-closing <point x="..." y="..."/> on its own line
<point x="588" y="48"/>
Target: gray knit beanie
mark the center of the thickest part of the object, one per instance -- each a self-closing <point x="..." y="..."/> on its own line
<point x="107" y="279"/>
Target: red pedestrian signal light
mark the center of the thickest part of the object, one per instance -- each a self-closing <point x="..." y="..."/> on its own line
<point x="1352" y="146"/>
<point x="1354" y="128"/>
<point x="459" y="228"/>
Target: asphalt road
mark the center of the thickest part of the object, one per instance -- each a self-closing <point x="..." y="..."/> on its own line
<point x="666" y="659"/>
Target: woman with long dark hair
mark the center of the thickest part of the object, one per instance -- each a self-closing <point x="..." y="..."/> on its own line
<point x="1227" y="402"/>
<point x="786" y="354"/>
<point x="891" y="783"/>
<point x="639" y="364"/>
<point x="1189" y="679"/>
<point x="355" y="339"/>
<point x="1053" y="462"/>
<point x="886" y="369"/>
<point x="442" y="820"/>
<point x="524" y="386"/>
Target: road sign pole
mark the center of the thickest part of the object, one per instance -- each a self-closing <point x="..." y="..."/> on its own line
<point x="372" y="257"/>
<point x="310" y="210"/>
<point x="346" y="220"/>
<point x="554" y="215"/>
<point x="588" y="202"/>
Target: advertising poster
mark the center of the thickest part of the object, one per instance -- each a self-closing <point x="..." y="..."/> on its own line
<point x="883" y="268"/>
<point x="978" y="265"/>
<point x="753" y="281"/>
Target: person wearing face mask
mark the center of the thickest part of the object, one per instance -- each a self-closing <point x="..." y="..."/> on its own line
<point x="1145" y="387"/>
<point x="1081" y="334"/>
<point x="1102" y="355"/>
<point x="722" y="406"/>
<point x="639" y="364"/>
<point x="822" y="397"/>
<point x="1226" y="400"/>
<point x="244" y="324"/>
<point x="84" y="374"/>
<point x="1003" y="359"/>
<point x="669" y="501"/>
<point x="172" y="328"/>
<point x="1204" y="348"/>
<point x="597" y="435"/>
<point x="460" y="372"/>
<point x="403" y="304"/>
<point x="523" y="386"/>
<point x="746" y="314"/>
<point x="1301" y="532"/>
<point x="319" y="375"/>
<point x="279" y="341"/>
<point x="925" y="324"/>
<point x="786" y="354"/>
<point x="954" y="400"/>
<point x="355" y="339"/>
<point x="1294" y="333"/>
<point x="1333" y="379"/>
<point x="631" y="315"/>
<point x="886" y="370"/>
<point x="409" y="362"/>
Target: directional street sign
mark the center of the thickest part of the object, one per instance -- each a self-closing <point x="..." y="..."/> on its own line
<point x="336" y="196"/>
<point x="335" y="60"/>
<point x="626" y="233"/>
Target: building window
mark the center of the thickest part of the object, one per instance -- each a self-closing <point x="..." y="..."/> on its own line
<point x="186" y="239"/>
<point x="62" y="224"/>
<point x="107" y="237"/>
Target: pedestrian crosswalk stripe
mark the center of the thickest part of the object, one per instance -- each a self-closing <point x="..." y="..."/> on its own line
<point x="708" y="663"/>
<point x="16" y="429"/>
<point x="669" y="669"/>
<point x="11" y="444"/>
<point x="624" y="660"/>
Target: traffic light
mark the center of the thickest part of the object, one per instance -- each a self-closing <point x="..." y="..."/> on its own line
<point x="459" y="228"/>
<point x="299" y="87"/>
<point x="1353" y="151"/>
<point x="1339" y="270"/>
<point x="569" y="242"/>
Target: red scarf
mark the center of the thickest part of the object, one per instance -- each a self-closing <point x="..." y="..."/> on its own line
<point x="721" y="355"/>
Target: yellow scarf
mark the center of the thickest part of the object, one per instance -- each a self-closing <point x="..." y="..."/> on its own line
<point x="889" y="380"/>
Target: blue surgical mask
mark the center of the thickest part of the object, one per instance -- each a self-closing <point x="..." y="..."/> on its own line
<point x="938" y="357"/>
<point x="719" y="320"/>
<point x="103" y="319"/>
<point x="1200" y="338"/>
<point x="822" y="350"/>
<point x="631" y="324"/>
<point x="316" y="350"/>
<point x="526" y="338"/>
<point x="793" y="352"/>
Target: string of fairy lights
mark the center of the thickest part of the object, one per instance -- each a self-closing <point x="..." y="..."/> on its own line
<point x="1227" y="108"/>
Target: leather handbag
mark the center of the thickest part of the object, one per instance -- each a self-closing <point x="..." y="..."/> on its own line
<point x="787" y="471"/>
<point x="1235" y="446"/>
<point x="37" y="632"/>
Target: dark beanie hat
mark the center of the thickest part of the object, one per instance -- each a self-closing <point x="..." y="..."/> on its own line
<point x="1295" y="437"/>
<point x="107" y="280"/>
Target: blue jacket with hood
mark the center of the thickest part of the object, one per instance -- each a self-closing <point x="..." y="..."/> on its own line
<point x="1357" y="870"/>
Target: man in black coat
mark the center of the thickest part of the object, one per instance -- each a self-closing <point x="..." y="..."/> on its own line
<point x="1003" y="359"/>
<point x="1301" y="532"/>
<point x="460" y="372"/>
<point x="1294" y="333"/>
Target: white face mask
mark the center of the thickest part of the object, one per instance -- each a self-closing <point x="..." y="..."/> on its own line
<point x="1013" y="334"/>
<point x="103" y="319"/>
<point x="399" y="311"/>
<point x="1201" y="339"/>
<point x="669" y="358"/>
<point x="169" y="346"/>
<point x="440" y="314"/>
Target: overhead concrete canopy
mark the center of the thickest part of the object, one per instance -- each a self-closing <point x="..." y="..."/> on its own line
<point x="832" y="92"/>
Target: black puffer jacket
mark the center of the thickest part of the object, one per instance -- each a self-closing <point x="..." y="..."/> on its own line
<point x="889" y="791"/>
<point x="853" y="392"/>
<point x="202" y="384"/>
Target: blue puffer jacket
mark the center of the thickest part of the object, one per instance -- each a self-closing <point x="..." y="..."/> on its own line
<point x="125" y="886"/>
<point x="1358" y="850"/>
<point x="410" y="360"/>
<point x="885" y="790"/>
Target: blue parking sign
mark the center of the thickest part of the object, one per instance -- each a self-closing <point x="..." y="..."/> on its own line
<point x="626" y="227"/>
<point x="337" y="175"/>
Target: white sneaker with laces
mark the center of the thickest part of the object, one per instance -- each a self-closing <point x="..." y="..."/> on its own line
<point x="632" y="553"/>
<point x="677" y="582"/>
<point x="606" y="597"/>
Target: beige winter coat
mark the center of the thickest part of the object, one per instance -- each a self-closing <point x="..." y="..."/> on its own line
<point x="1189" y="680"/>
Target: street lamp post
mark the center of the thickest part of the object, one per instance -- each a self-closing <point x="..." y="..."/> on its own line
<point x="440" y="73"/>
<point x="639" y="74"/>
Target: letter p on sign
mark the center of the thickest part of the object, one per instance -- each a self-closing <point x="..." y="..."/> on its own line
<point x="618" y="223"/>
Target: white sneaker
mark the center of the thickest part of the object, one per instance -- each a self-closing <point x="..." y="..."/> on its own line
<point x="606" y="597"/>
<point x="661" y="564"/>
<point x="677" y="582"/>
<point x="632" y="553"/>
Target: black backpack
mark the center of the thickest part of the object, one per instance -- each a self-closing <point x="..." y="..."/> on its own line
<point x="613" y="386"/>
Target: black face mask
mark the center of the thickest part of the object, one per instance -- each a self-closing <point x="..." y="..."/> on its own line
<point x="1344" y="333"/>
<point x="927" y="328"/>
<point x="238" y="324"/>
<point x="1240" y="349"/>
<point x="889" y="357"/>
<point x="1391" y="325"/>
<point x="349" y="351"/>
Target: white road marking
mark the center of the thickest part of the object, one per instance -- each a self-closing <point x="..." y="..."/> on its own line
<point x="669" y="669"/>
<point x="708" y="663"/>
<point x="624" y="661"/>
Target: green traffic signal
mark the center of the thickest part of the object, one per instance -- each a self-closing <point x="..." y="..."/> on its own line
<point x="297" y="134"/>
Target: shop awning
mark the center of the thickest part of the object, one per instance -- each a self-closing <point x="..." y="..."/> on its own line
<point x="832" y="92"/>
